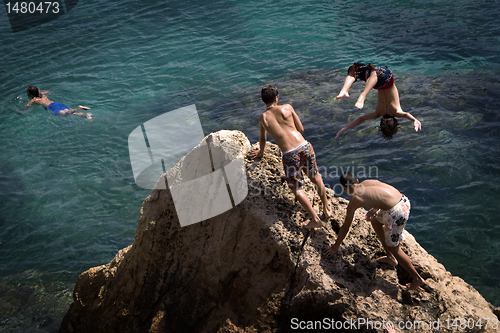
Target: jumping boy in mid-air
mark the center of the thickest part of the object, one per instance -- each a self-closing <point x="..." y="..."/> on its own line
<point x="39" y="97"/>
<point x="286" y="129"/>
<point x="388" y="106"/>
<point x="388" y="215"/>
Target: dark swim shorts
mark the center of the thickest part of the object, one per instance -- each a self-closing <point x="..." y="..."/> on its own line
<point x="298" y="159"/>
<point x="56" y="107"/>
<point x="385" y="79"/>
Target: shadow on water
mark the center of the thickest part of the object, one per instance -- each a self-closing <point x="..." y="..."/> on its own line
<point x="11" y="191"/>
<point x="31" y="302"/>
<point x="31" y="299"/>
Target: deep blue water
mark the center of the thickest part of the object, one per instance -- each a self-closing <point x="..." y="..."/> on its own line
<point x="68" y="200"/>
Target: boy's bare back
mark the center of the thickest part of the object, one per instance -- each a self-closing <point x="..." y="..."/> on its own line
<point x="284" y="126"/>
<point x="43" y="101"/>
<point x="374" y="193"/>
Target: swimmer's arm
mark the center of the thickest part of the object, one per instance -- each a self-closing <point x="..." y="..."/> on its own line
<point x="28" y="104"/>
<point x="370" y="83"/>
<point x="45" y="92"/>
<point x="358" y="121"/>
<point x="297" y="122"/>
<point x="416" y="124"/>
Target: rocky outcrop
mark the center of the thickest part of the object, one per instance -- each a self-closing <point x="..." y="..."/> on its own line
<point x="254" y="269"/>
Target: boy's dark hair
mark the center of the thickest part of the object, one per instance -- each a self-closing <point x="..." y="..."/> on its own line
<point x="33" y="91"/>
<point x="388" y="126"/>
<point x="268" y="93"/>
<point x="347" y="179"/>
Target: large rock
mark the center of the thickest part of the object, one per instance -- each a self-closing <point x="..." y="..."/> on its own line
<point x="254" y="269"/>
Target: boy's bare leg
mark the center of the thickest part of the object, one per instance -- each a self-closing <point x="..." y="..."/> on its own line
<point x="84" y="115"/>
<point x="344" y="93"/>
<point x="314" y="220"/>
<point x="379" y="231"/>
<point x="73" y="111"/>
<point x="369" y="85"/>
<point x="396" y="256"/>
<point x="320" y="187"/>
<point x="404" y="260"/>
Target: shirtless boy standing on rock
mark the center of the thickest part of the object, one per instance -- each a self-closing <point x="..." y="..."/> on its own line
<point x="388" y="215"/>
<point x="286" y="129"/>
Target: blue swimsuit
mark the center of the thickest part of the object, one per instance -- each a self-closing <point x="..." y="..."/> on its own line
<point x="56" y="107"/>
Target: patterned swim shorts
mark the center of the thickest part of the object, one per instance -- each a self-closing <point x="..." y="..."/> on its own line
<point x="298" y="159"/>
<point x="394" y="221"/>
<point x="385" y="78"/>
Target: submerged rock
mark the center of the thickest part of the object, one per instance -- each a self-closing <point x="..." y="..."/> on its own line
<point x="254" y="269"/>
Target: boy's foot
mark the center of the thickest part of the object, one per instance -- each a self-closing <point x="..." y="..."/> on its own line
<point x="415" y="284"/>
<point x="311" y="224"/>
<point x="387" y="260"/>
<point x="81" y="107"/>
<point x="342" y="95"/>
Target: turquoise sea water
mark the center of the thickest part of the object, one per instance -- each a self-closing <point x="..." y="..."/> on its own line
<point x="68" y="200"/>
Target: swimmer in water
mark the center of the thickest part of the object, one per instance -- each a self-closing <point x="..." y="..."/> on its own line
<point x="40" y="97"/>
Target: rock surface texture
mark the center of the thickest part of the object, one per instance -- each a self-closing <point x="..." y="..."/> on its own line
<point x="254" y="269"/>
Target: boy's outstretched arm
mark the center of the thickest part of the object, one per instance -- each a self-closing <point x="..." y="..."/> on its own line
<point x="358" y="121"/>
<point x="416" y="124"/>
<point x="28" y="104"/>
<point x="259" y="152"/>
<point x="344" y="229"/>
